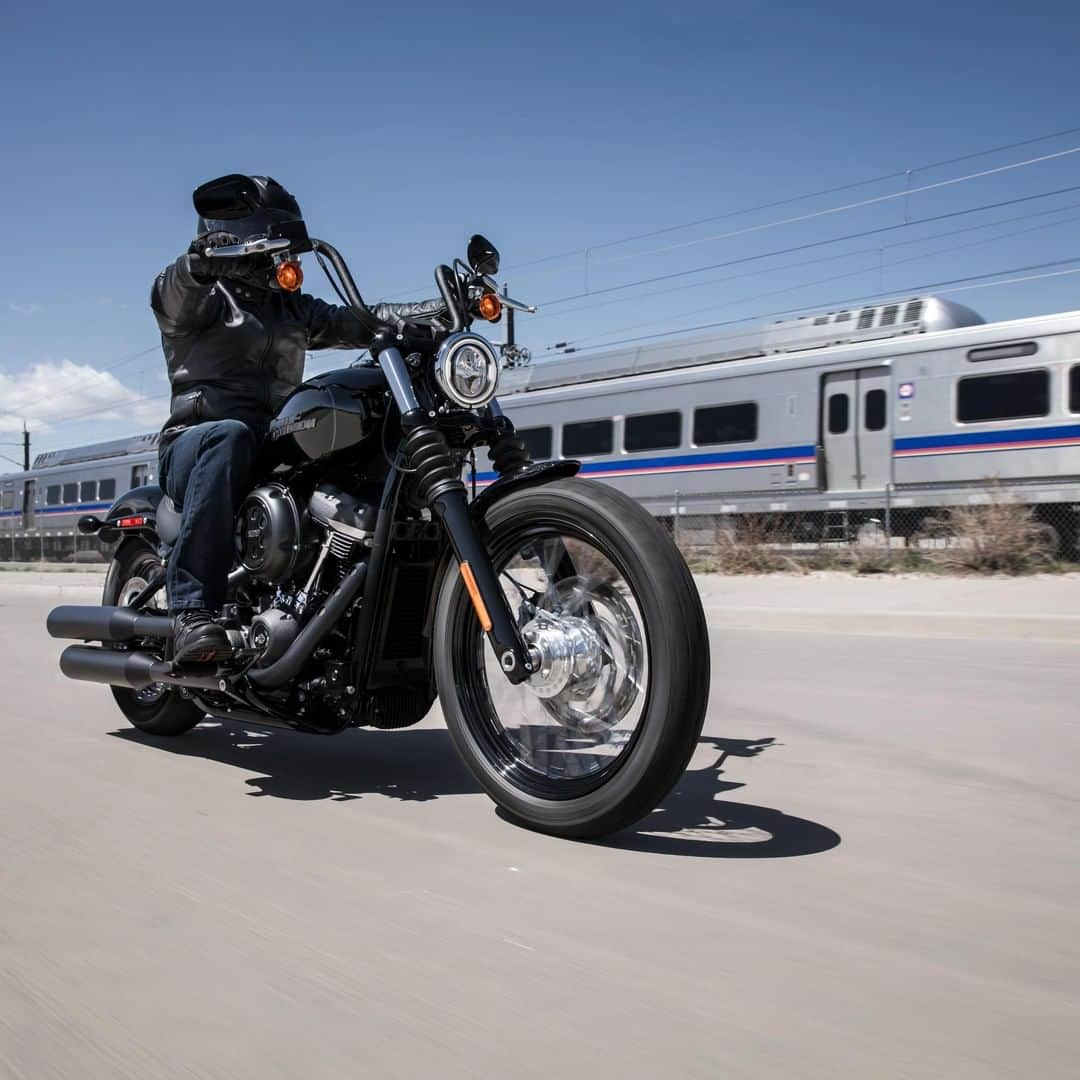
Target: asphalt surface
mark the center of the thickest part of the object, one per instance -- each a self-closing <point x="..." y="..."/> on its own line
<point x="871" y="870"/>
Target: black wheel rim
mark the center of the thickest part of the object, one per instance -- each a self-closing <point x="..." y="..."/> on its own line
<point x="565" y="586"/>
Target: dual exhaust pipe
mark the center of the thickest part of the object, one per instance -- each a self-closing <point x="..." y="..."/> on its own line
<point x="111" y="666"/>
<point x="116" y="625"/>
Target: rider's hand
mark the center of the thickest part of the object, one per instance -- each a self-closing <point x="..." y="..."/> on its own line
<point x="206" y="269"/>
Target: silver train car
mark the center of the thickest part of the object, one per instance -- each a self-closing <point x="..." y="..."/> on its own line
<point x="840" y="419"/>
<point x="896" y="408"/>
<point x="39" y="509"/>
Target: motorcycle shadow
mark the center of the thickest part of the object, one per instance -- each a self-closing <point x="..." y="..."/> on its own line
<point x="420" y="764"/>
<point x="692" y="821"/>
<point x="414" y="765"/>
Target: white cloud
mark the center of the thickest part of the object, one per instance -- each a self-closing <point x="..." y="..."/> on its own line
<point x="47" y="393"/>
<point x="23" y="309"/>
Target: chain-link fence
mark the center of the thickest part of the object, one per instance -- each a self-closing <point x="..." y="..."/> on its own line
<point x="53" y="546"/>
<point x="996" y="534"/>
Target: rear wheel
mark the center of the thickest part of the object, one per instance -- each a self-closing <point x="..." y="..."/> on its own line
<point x="155" y="709"/>
<point x="603" y="730"/>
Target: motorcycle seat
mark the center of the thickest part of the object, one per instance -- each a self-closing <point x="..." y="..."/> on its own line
<point x="168" y="521"/>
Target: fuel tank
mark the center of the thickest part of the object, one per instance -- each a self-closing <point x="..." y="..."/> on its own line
<point x="331" y="413"/>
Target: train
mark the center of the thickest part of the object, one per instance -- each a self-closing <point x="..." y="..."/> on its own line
<point x="839" y="420"/>
<point x="40" y="508"/>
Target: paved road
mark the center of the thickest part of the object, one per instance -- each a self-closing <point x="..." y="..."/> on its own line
<point x="870" y="870"/>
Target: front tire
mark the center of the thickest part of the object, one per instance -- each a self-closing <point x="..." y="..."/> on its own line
<point x="598" y="737"/>
<point x="155" y="710"/>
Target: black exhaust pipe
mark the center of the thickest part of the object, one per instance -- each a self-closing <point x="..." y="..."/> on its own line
<point x="288" y="666"/>
<point x="106" y="624"/>
<point x="134" y="669"/>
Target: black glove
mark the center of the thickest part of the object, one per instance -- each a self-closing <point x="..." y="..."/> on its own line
<point x="423" y="311"/>
<point x="206" y="269"/>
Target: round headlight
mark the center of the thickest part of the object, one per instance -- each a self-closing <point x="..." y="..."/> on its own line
<point x="467" y="370"/>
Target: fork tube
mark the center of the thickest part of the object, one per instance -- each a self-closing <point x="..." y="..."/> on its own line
<point x="489" y="601"/>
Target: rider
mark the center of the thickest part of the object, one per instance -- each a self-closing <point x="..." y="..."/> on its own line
<point x="235" y="343"/>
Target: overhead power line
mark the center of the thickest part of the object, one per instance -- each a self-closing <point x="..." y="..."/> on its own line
<point x="829" y="210"/>
<point x="629" y="238"/>
<point x="879" y="265"/>
<point x="580" y="343"/>
<point x="906" y="290"/>
<point x="796" y="198"/>
<point x="636" y="298"/>
<point x="861" y="234"/>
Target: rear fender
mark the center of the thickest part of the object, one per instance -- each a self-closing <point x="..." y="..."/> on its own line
<point x="133" y="514"/>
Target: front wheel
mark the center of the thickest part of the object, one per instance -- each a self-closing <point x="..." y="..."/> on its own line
<point x="595" y="738"/>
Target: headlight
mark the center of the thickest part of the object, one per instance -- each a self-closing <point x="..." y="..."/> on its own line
<point x="467" y="370"/>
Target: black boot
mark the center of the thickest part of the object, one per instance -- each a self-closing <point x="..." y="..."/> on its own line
<point x="197" y="639"/>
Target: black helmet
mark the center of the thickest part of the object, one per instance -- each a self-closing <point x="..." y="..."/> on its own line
<point x="236" y="208"/>
<point x="244" y="207"/>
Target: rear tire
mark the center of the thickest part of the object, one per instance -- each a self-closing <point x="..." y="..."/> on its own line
<point x="567" y="799"/>
<point x="159" y="710"/>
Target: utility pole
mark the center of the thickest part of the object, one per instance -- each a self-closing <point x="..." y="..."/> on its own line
<point x="26" y="447"/>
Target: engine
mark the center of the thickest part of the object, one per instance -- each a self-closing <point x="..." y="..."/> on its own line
<point x="274" y="538"/>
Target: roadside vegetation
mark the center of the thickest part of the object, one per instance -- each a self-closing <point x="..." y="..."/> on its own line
<point x="997" y="537"/>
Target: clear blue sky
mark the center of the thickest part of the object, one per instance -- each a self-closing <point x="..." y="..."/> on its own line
<point x="404" y="128"/>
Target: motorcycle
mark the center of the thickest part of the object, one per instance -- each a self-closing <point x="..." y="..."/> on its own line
<point x="552" y="617"/>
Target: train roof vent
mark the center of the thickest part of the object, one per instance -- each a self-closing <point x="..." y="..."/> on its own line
<point x="913" y="313"/>
<point x="821" y="320"/>
<point x="866" y="318"/>
<point x="888" y="314"/>
<point x="842" y="316"/>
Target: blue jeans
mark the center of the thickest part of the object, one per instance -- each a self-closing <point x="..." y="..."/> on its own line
<point x="206" y="471"/>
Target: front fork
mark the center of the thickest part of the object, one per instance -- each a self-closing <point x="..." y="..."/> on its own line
<point x="439" y="485"/>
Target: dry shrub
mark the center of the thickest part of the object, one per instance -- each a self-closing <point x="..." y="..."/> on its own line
<point x="1001" y="535"/>
<point x="754" y="544"/>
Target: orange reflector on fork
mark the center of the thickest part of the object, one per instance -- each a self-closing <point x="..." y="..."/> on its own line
<point x="474" y="594"/>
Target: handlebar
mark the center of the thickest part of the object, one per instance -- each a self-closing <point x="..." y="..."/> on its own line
<point x="260" y="246"/>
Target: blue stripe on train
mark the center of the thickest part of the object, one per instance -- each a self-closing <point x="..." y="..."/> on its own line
<point x="77" y="508"/>
<point x="1014" y="439"/>
<point x="781" y="455"/>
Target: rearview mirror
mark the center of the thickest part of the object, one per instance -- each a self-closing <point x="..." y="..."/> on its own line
<point x="483" y="255"/>
<point x="226" y="198"/>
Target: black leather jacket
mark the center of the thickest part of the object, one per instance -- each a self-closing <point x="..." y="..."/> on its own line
<point x="245" y="371"/>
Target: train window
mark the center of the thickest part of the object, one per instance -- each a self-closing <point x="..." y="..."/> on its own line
<point x="107" y="489"/>
<point x="1003" y="352"/>
<point x="52" y="495"/>
<point x="652" y="431"/>
<point x="588" y="437"/>
<point x="140" y="474"/>
<point x="71" y="493"/>
<point x="725" y="423"/>
<point x="874" y="410"/>
<point x="8" y="501"/>
<point x="88" y="491"/>
<point x="537" y="440"/>
<point x="1008" y="396"/>
<point x="839" y="410"/>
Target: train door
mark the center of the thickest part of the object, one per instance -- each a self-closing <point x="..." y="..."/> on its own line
<point x="28" y="505"/>
<point x="855" y="430"/>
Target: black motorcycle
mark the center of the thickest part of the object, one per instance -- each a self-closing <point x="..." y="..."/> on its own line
<point x="553" y="617"/>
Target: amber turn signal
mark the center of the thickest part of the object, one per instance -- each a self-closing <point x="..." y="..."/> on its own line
<point x="289" y="276"/>
<point x="490" y="306"/>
